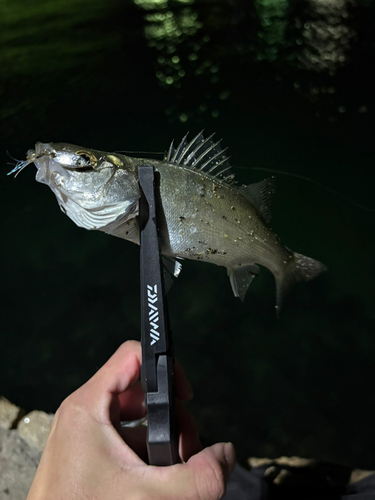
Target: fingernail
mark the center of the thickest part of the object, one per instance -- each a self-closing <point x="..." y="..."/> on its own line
<point x="230" y="456"/>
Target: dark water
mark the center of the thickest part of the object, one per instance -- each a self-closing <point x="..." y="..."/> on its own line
<point x="288" y="85"/>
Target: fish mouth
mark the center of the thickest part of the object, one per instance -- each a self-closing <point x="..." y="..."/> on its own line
<point x="41" y="151"/>
<point x="49" y="172"/>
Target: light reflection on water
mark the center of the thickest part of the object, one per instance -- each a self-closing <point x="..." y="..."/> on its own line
<point x="202" y="53"/>
<point x="326" y="35"/>
<point x="167" y="30"/>
<point x="192" y="43"/>
<point x="273" y="23"/>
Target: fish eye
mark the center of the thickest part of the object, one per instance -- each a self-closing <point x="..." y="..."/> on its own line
<point x="85" y="160"/>
<point x="82" y="161"/>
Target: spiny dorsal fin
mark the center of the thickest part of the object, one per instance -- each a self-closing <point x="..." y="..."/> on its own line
<point x="260" y="195"/>
<point x="201" y="154"/>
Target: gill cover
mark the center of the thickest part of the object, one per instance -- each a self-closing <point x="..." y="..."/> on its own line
<point x="90" y="189"/>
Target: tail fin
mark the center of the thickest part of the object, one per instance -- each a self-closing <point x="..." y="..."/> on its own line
<point x="300" y="268"/>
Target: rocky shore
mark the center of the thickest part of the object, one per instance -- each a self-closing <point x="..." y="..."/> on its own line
<point x="23" y="437"/>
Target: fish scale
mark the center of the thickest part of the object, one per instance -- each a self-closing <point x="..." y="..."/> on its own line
<point x="229" y="232"/>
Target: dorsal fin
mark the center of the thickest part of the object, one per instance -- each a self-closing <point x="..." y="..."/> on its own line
<point x="201" y="154"/>
<point x="259" y="194"/>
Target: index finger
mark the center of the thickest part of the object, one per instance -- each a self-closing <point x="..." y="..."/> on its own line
<point x="122" y="369"/>
<point x="119" y="373"/>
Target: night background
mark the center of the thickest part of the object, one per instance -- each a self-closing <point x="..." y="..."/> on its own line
<point x="288" y="85"/>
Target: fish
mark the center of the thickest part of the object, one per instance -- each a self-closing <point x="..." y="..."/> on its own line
<point x="204" y="214"/>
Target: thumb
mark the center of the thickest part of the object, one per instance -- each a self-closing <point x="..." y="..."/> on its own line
<point x="212" y="468"/>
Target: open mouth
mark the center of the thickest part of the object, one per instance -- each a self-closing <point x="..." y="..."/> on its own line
<point x="50" y="172"/>
<point x="38" y="156"/>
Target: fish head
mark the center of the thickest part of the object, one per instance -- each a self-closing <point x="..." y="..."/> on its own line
<point x="92" y="187"/>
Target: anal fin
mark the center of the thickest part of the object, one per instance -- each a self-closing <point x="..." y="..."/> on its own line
<point x="241" y="277"/>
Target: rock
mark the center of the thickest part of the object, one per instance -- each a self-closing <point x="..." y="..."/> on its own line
<point x="18" y="463"/>
<point x="293" y="477"/>
<point x="34" y="428"/>
<point x="290" y="461"/>
<point x="9" y="413"/>
<point x="359" y="474"/>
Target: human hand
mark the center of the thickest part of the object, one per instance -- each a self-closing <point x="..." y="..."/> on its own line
<point x="89" y="456"/>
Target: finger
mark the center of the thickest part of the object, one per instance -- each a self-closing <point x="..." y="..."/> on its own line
<point x="204" y="476"/>
<point x="122" y="369"/>
<point x="136" y="438"/>
<point x="189" y="443"/>
<point x="132" y="402"/>
<point x="119" y="373"/>
<point x="183" y="389"/>
<point x="211" y="468"/>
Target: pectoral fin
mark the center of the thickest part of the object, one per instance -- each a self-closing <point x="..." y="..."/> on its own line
<point x="171" y="268"/>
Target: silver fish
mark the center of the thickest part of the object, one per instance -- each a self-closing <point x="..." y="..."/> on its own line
<point x="205" y="215"/>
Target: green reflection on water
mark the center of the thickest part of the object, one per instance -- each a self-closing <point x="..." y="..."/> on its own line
<point x="273" y="20"/>
<point x="48" y="42"/>
<point x="165" y="30"/>
<point x="48" y="36"/>
<point x="159" y="4"/>
<point x="169" y="26"/>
